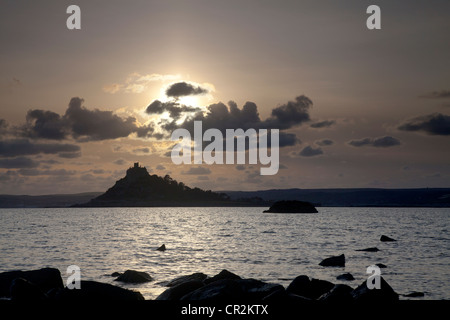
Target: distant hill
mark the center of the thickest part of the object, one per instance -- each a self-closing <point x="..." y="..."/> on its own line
<point x="140" y="189"/>
<point x="51" y="200"/>
<point x="424" y="197"/>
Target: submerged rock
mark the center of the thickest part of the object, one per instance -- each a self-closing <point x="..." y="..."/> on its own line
<point x="381" y="265"/>
<point x="335" y="261"/>
<point x="346" y="277"/>
<point x="132" y="276"/>
<point x="386" y="239"/>
<point x="372" y="249"/>
<point x="292" y="206"/>
<point x="309" y="288"/>
<point x="414" y="294"/>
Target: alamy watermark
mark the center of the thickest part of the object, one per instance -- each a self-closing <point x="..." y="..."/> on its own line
<point x="213" y="153"/>
<point x="374" y="280"/>
<point x="74" y="278"/>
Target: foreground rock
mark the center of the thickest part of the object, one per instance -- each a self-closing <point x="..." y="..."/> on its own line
<point x="414" y="294"/>
<point x="24" y="290"/>
<point x="97" y="291"/>
<point x="292" y="206"/>
<point x="384" y="294"/>
<point x="339" y="293"/>
<point x="132" y="276"/>
<point x="386" y="239"/>
<point x="178" y="291"/>
<point x="200" y="277"/>
<point x="223" y="275"/>
<point x="233" y="290"/>
<point x="45" y="279"/>
<point x="309" y="288"/>
<point x="335" y="261"/>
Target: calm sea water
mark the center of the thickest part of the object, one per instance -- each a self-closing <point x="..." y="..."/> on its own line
<point x="270" y="247"/>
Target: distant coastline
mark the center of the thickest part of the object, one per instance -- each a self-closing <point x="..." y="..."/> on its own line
<point x="420" y="197"/>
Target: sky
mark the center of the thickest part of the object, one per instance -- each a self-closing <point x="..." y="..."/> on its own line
<point x="356" y="108"/>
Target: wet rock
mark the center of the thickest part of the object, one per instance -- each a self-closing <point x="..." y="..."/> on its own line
<point x="335" y="261"/>
<point x="372" y="249"/>
<point x="381" y="265"/>
<point x="132" y="276"/>
<point x="91" y="291"/>
<point x="339" y="293"/>
<point x="222" y="275"/>
<point x="176" y="292"/>
<point x="192" y="277"/>
<point x="309" y="288"/>
<point x="346" y="277"/>
<point x="292" y="206"/>
<point x="385" y="294"/>
<point x="233" y="290"/>
<point x="24" y="290"/>
<point x="45" y="279"/>
<point x="386" y="239"/>
<point x="116" y="274"/>
<point x="414" y="294"/>
<point x="162" y="248"/>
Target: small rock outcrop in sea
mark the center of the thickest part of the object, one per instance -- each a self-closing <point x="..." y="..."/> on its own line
<point x="384" y="294"/>
<point x="414" y="294"/>
<point x="309" y="288"/>
<point x="192" y="277"/>
<point x="373" y="249"/>
<point x="292" y="206"/>
<point x="335" y="261"/>
<point x="132" y="276"/>
<point x="346" y="277"/>
<point x="386" y="239"/>
<point x="381" y="265"/>
<point x="162" y="248"/>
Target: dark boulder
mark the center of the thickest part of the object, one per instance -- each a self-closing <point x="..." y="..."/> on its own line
<point x="385" y="294"/>
<point x="335" y="261"/>
<point x="386" y="239"/>
<point x="116" y="274"/>
<point x="23" y="290"/>
<point x="91" y="291"/>
<point x="176" y="292"/>
<point x="162" y="248"/>
<point x="372" y="249"/>
<point x="192" y="277"/>
<point x="309" y="288"/>
<point x="132" y="276"/>
<point x="345" y="277"/>
<point x="381" y="265"/>
<point x="222" y="275"/>
<point x="292" y="206"/>
<point x="339" y="293"/>
<point x="45" y="279"/>
<point x="233" y="290"/>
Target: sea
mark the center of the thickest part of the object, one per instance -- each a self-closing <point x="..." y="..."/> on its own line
<point x="271" y="247"/>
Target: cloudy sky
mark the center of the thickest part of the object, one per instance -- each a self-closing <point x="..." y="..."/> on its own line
<point x="355" y="107"/>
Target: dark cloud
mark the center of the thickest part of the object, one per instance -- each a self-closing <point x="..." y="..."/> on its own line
<point x="175" y="109"/>
<point x="141" y="150"/>
<point x="119" y="162"/>
<point x="36" y="172"/>
<point x="433" y="124"/>
<point x="443" y="94"/>
<point x="3" y="127"/>
<point x="240" y="167"/>
<point x="222" y="117"/>
<point x="19" y="162"/>
<point x="381" y="142"/>
<point x="197" y="170"/>
<point x="324" y="142"/>
<point x="309" y="151"/>
<point x="22" y="147"/>
<point x="181" y="89"/>
<point x="160" y="167"/>
<point x="322" y="124"/>
<point x="69" y="155"/>
<point x="81" y="124"/>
